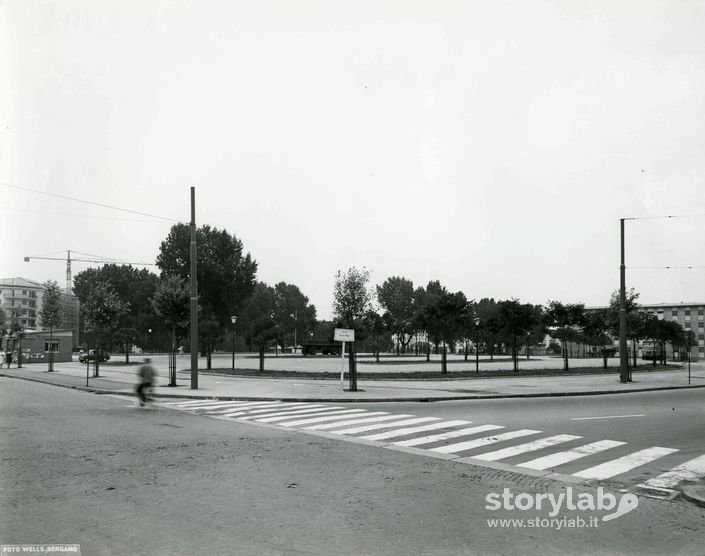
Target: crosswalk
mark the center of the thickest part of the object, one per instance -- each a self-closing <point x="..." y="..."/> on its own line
<point x="560" y="454"/>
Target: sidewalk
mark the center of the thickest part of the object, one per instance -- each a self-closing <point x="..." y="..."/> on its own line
<point x="122" y="379"/>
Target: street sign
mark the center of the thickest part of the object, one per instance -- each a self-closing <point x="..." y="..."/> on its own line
<point x="344" y="335"/>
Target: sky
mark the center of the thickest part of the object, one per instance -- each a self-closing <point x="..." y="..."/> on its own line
<point x="493" y="146"/>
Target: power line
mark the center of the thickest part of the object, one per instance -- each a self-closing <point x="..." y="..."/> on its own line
<point x="87" y="202"/>
<point x="664" y="216"/>
<point x="94" y="216"/>
<point x="665" y="267"/>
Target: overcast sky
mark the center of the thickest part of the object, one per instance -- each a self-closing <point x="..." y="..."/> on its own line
<point x="492" y="145"/>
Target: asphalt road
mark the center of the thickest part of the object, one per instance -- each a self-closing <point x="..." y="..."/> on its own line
<point x="89" y="469"/>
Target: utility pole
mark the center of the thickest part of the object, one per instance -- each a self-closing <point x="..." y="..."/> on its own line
<point x="623" y="355"/>
<point x="194" y="296"/>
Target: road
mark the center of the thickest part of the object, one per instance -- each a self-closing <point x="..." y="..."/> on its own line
<point x="95" y="470"/>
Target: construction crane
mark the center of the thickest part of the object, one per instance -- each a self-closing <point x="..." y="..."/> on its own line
<point x="92" y="259"/>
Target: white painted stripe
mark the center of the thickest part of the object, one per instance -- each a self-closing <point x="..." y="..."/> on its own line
<point x="288" y="415"/>
<point x="209" y="403"/>
<point x="412" y="430"/>
<point x="377" y="426"/>
<point x="624" y="464"/>
<point x="554" y="460"/>
<point x="691" y="470"/>
<point x="605" y="417"/>
<point x="272" y="415"/>
<point x="230" y="403"/>
<point x="354" y="422"/>
<point x="447" y="435"/>
<point x="539" y="444"/>
<point x="484" y="441"/>
<point x="270" y="411"/>
<point x="333" y="416"/>
<point x="256" y="409"/>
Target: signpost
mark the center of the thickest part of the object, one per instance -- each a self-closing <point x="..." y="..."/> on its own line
<point x="343" y="335"/>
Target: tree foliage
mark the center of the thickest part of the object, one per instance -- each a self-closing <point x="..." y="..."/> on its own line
<point x="225" y="274"/>
<point x="50" y="312"/>
<point x="396" y="298"/>
<point x="352" y="297"/>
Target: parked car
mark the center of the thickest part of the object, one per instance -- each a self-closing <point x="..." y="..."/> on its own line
<point x="91" y="356"/>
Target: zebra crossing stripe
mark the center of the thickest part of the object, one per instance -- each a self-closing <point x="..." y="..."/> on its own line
<point x="411" y="430"/>
<point x="366" y="428"/>
<point x="213" y="405"/>
<point x="447" y="435"/>
<point x="236" y="412"/>
<point x="539" y="444"/>
<point x="293" y="411"/>
<point x="287" y="416"/>
<point x="624" y="464"/>
<point x="328" y="426"/>
<point x="256" y="409"/>
<point x="332" y="416"/>
<point x="484" y="441"/>
<point x="691" y="470"/>
<point x="554" y="460"/>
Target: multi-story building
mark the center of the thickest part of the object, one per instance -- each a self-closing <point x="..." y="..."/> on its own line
<point x="25" y="297"/>
<point x="691" y="316"/>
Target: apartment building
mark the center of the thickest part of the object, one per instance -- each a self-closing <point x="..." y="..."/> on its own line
<point x="691" y="316"/>
<point x="26" y="298"/>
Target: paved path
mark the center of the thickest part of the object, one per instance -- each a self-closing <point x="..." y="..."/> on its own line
<point x="122" y="379"/>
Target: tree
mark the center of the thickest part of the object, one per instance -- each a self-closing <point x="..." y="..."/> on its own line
<point x="103" y="309"/>
<point x="292" y="312"/>
<point x="352" y="299"/>
<point x="444" y="319"/>
<point x="134" y="286"/>
<point x="490" y="327"/>
<point x="126" y="337"/>
<point x="226" y="275"/>
<point x="376" y="329"/>
<point x="257" y="321"/>
<point x="396" y="297"/>
<point x="424" y="298"/>
<point x="50" y="314"/>
<point x="171" y="301"/>
<point x="517" y="321"/>
<point x="596" y="331"/>
<point x="565" y="322"/>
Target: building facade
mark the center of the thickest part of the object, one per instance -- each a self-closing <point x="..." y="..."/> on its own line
<point x="691" y="316"/>
<point x="25" y="298"/>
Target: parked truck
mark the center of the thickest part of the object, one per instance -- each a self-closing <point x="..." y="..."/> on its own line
<point x="326" y="347"/>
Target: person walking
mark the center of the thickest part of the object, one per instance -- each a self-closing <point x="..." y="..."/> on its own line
<point x="2" y="358"/>
<point x="146" y="375"/>
<point x="8" y="358"/>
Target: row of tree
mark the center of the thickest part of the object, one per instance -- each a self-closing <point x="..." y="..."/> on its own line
<point x="123" y="306"/>
<point x="447" y="318"/>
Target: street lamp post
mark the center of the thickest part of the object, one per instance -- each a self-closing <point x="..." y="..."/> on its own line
<point x="233" y="319"/>
<point x="295" y="316"/>
<point x="477" y="344"/>
<point x="149" y="347"/>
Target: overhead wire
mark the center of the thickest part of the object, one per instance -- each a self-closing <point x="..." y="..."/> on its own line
<point x="74" y="199"/>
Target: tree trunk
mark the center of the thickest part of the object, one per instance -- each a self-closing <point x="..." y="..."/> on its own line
<point x="352" y="367"/>
<point x="51" y="349"/>
<point x="261" y="357"/>
<point x="444" y="361"/>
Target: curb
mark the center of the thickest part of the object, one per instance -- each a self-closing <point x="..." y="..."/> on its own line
<point x="356" y="399"/>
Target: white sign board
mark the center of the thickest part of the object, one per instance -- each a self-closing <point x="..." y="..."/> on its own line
<point x="344" y="335"/>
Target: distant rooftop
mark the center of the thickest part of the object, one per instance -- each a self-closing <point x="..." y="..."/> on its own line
<point x="20" y="283"/>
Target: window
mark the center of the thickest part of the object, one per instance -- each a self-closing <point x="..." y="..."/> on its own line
<point x="51" y="346"/>
<point x="674" y="312"/>
<point x="701" y="311"/>
<point x="687" y="312"/>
